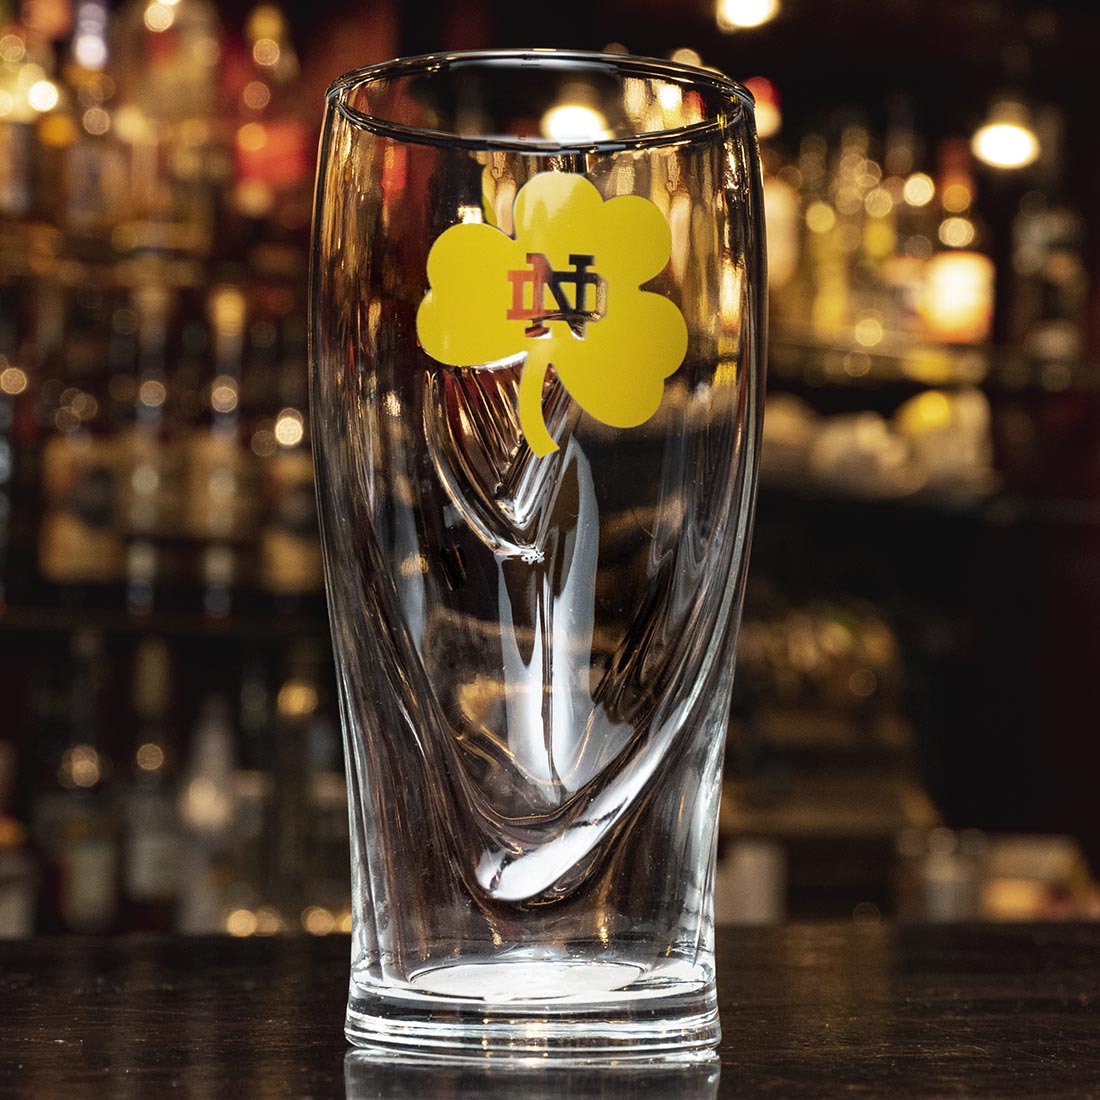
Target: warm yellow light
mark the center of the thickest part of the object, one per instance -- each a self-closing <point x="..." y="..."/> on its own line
<point x="768" y="116"/>
<point x="263" y="442"/>
<point x="318" y="921"/>
<point x="265" y="52"/>
<point x="256" y="95"/>
<point x="289" y="427"/>
<point x="957" y="232"/>
<point x="297" y="699"/>
<point x="159" y="16"/>
<point x="742" y="14"/>
<point x="252" y="137"/>
<point x="1005" y="145"/>
<point x="152" y="393"/>
<point x="80" y="767"/>
<point x="956" y="302"/>
<point x="65" y="420"/>
<point x="223" y="394"/>
<point x="90" y="51"/>
<point x="956" y="197"/>
<point x="266" y="21"/>
<point x="878" y="202"/>
<point x="43" y="95"/>
<point x="820" y="217"/>
<point x="781" y="216"/>
<point x="206" y="805"/>
<point x="83" y="404"/>
<point x="12" y="48"/>
<point x="149" y="757"/>
<point x="13" y="380"/>
<point x="670" y="97"/>
<point x="857" y="364"/>
<point x="768" y="120"/>
<point x="96" y="121"/>
<point x="869" y="331"/>
<point x="227" y="310"/>
<point x="570" y="123"/>
<point x="57" y="130"/>
<point x="930" y="411"/>
<point x="918" y="190"/>
<point x="268" y="921"/>
<point x="131" y="124"/>
<point x="686" y="56"/>
<point x="241" y="923"/>
<point x="145" y="480"/>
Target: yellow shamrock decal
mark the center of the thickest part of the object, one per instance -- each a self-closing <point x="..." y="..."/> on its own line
<point x="566" y="292"/>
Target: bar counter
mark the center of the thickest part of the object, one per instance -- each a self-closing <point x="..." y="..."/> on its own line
<point x="811" y="1011"/>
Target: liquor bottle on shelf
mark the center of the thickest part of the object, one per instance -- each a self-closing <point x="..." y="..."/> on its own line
<point x="17" y="870"/>
<point x="956" y="303"/>
<point x="74" y="815"/>
<point x="153" y="496"/>
<point x="13" y="383"/>
<point x="208" y="815"/>
<point x="326" y="883"/>
<point x="191" y="366"/>
<point x="17" y="124"/>
<point x="259" y="399"/>
<point x="221" y="505"/>
<point x="81" y="548"/>
<point x="97" y="184"/>
<point x="18" y="385"/>
<point x="782" y="213"/>
<point x="273" y="169"/>
<point x="290" y="546"/>
<point x="867" y="201"/>
<point x="168" y="56"/>
<point x="38" y="375"/>
<point x="825" y="260"/>
<point x="1050" y="278"/>
<point x="255" y="789"/>
<point x="255" y="711"/>
<point x="151" y="851"/>
<point x="854" y="174"/>
<point x="6" y="508"/>
<point x="45" y="26"/>
<point x="914" y="221"/>
<point x="47" y="802"/>
<point x="34" y="128"/>
<point x="297" y="707"/>
<point x="296" y="704"/>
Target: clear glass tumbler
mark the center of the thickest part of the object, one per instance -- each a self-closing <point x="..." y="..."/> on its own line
<point x="537" y="366"/>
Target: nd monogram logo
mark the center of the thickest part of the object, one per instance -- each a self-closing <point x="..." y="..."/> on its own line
<point x="492" y="296"/>
<point x="540" y="277"/>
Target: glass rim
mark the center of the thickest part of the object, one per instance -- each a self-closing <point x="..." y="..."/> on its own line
<point x="676" y="72"/>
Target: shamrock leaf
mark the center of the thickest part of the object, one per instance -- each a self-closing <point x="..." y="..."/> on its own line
<point x="565" y="291"/>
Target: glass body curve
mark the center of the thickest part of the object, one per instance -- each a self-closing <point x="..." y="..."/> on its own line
<point x="535" y="643"/>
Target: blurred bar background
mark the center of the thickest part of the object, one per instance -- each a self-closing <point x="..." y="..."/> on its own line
<point x="914" y="734"/>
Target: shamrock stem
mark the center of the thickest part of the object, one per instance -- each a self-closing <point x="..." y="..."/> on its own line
<point x="531" y="418"/>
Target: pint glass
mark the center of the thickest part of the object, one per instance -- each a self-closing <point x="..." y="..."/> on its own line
<point x="537" y="365"/>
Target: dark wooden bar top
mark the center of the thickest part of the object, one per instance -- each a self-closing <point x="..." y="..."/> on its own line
<point x="1004" y="1011"/>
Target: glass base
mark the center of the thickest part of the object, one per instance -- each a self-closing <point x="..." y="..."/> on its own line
<point x="538" y="1006"/>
